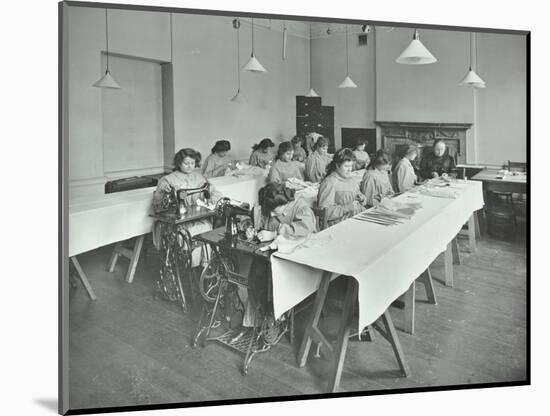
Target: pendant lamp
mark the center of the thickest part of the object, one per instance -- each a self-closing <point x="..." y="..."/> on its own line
<point x="472" y="79"/>
<point x="237" y="98"/>
<point x="347" y="82"/>
<point x="253" y="64"/>
<point x="311" y="92"/>
<point x="416" y="53"/>
<point x="107" y="81"/>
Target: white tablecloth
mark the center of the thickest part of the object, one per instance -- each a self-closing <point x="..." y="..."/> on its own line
<point x="384" y="260"/>
<point x="109" y="218"/>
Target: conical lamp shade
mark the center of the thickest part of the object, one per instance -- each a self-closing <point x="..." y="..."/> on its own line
<point x="254" y="65"/>
<point x="416" y="54"/>
<point x="107" y="81"/>
<point x="237" y="98"/>
<point x="312" y="93"/>
<point x="473" y="80"/>
<point x="347" y="83"/>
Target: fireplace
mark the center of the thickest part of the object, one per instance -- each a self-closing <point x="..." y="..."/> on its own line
<point x="396" y="136"/>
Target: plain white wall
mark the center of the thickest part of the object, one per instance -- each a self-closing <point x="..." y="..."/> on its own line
<point x="204" y="80"/>
<point x="501" y="107"/>
<point x="353" y="107"/>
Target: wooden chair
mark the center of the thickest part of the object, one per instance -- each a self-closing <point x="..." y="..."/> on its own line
<point x="321" y="217"/>
<point x="500" y="209"/>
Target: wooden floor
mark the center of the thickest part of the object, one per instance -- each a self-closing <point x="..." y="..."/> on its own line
<point x="132" y="347"/>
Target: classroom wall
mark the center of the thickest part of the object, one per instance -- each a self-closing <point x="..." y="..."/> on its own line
<point x="204" y="76"/>
<point x="207" y="64"/>
<point x="353" y="107"/>
<point x="501" y="107"/>
<point x="430" y="93"/>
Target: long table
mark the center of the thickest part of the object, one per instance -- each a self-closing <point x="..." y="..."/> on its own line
<point x="381" y="261"/>
<point x="509" y="182"/>
<point x="111" y="218"/>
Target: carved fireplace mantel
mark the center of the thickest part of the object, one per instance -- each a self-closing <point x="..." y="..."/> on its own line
<point x="396" y="135"/>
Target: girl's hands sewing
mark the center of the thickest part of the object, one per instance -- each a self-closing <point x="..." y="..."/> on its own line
<point x="266" y="235"/>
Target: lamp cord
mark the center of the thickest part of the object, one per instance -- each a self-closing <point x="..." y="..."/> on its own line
<point x="347" y="53"/>
<point x="252" y="36"/>
<point x="238" y="61"/>
<point x="107" y="38"/>
<point x="171" y="41"/>
<point x="310" y="56"/>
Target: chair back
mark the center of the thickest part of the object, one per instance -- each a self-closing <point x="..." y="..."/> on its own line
<point x="321" y="217"/>
<point x="517" y="166"/>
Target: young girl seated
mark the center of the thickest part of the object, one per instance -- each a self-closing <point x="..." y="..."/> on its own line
<point x="299" y="152"/>
<point x="404" y="176"/>
<point x="375" y="184"/>
<point x="338" y="192"/>
<point x="262" y="155"/>
<point x="218" y="161"/>
<point x="362" y="158"/>
<point x="283" y="215"/>
<point x="284" y="167"/>
<point x="317" y="161"/>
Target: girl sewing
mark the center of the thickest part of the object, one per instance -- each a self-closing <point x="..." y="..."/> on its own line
<point x="339" y="193"/>
<point x="284" y="167"/>
<point x="262" y="154"/>
<point x="217" y="163"/>
<point x="317" y="161"/>
<point x="299" y="152"/>
<point x="184" y="176"/>
<point x="362" y="158"/>
<point x="376" y="184"/>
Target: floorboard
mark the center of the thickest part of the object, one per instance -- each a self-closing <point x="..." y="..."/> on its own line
<point x="133" y="347"/>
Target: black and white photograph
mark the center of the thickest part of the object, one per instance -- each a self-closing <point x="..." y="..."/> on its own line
<point x="262" y="206"/>
<point x="274" y="208"/>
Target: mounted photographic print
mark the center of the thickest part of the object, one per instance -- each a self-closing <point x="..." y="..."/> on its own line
<point x="274" y="207"/>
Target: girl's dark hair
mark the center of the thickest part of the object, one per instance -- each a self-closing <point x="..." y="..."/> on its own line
<point x="297" y="139"/>
<point x="274" y="195"/>
<point x="381" y="158"/>
<point x="283" y="148"/>
<point x="264" y="144"/>
<point x="187" y="152"/>
<point x="321" y="141"/>
<point x="221" y="146"/>
<point x="360" y="141"/>
<point x="341" y="156"/>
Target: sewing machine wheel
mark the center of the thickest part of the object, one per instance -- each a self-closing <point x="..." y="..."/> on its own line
<point x="209" y="281"/>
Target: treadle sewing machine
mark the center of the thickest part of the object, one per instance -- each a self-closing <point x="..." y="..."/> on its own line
<point x="222" y="279"/>
<point x="175" y="242"/>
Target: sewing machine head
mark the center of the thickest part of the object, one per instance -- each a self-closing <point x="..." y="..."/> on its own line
<point x="233" y="212"/>
<point x="181" y="196"/>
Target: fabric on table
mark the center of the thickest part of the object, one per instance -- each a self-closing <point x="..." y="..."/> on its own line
<point x="384" y="260"/>
<point x="105" y="219"/>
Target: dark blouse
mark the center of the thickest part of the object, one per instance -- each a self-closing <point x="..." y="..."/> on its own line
<point x="431" y="163"/>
